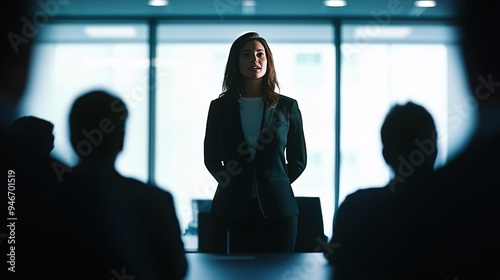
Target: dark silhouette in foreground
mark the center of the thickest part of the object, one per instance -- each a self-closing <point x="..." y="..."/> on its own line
<point x="30" y="235"/>
<point x="33" y="140"/>
<point x="33" y="134"/>
<point x="453" y="230"/>
<point x="121" y="226"/>
<point x="371" y="239"/>
<point x="469" y="185"/>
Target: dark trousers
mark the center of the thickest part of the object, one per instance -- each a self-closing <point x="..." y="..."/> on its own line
<point x="255" y="234"/>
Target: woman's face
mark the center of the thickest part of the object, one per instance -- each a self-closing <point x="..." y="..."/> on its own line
<point x="253" y="60"/>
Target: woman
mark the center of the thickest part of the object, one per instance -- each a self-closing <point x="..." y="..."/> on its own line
<point x="249" y="127"/>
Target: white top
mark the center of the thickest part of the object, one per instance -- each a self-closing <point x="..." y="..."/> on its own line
<point x="251" y="109"/>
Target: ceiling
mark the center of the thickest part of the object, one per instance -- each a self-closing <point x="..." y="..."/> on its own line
<point x="381" y="11"/>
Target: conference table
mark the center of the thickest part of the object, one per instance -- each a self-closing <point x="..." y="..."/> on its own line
<point x="263" y="266"/>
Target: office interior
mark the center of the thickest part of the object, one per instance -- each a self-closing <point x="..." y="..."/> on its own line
<point x="345" y="63"/>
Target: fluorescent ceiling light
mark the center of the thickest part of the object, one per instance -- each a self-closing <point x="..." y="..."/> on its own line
<point x="110" y="31"/>
<point x="425" y="3"/>
<point x="382" y="32"/>
<point x="335" y="3"/>
<point x="248" y="3"/>
<point x="158" y="3"/>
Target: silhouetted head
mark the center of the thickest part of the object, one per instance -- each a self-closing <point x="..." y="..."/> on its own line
<point x="33" y="134"/>
<point x="97" y="125"/>
<point x="233" y="76"/>
<point x="481" y="49"/>
<point x="409" y="138"/>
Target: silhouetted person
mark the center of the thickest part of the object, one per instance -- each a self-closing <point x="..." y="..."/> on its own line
<point x="121" y="226"/>
<point x="33" y="141"/>
<point x="469" y="185"/>
<point x="38" y="192"/>
<point x="29" y="241"/>
<point x="370" y="237"/>
<point x="33" y="134"/>
<point x="454" y="231"/>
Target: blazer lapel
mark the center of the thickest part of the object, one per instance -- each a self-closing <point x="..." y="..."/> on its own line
<point x="267" y="118"/>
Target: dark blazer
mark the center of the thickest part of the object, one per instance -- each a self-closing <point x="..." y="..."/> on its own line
<point x="272" y="169"/>
<point x="120" y="225"/>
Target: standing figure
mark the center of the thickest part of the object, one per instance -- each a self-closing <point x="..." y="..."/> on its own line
<point x="255" y="149"/>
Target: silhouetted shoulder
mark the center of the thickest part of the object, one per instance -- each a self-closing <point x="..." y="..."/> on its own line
<point x="134" y="183"/>
<point x="149" y="196"/>
<point x="362" y="205"/>
<point x="358" y="234"/>
<point x="361" y="208"/>
<point x="368" y="194"/>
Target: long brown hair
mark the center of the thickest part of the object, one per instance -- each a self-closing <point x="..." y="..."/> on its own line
<point x="232" y="75"/>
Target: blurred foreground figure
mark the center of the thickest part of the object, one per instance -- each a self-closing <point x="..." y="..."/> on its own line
<point x="455" y="228"/>
<point x="121" y="226"/>
<point x="470" y="184"/>
<point x="374" y="233"/>
<point x="29" y="240"/>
